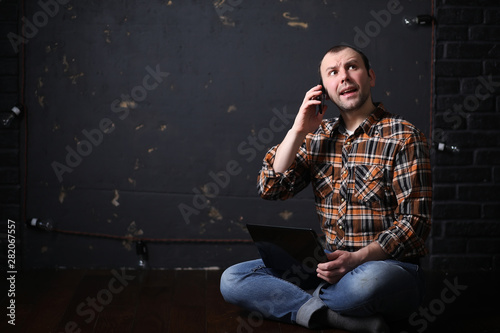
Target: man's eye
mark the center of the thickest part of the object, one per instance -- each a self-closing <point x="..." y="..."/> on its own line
<point x="332" y="73"/>
<point x="352" y="67"/>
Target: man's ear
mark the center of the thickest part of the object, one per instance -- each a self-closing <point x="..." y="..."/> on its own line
<point x="371" y="75"/>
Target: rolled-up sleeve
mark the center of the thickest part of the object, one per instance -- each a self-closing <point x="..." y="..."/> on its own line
<point x="273" y="185"/>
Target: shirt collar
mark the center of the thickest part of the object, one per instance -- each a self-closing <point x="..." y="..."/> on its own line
<point x="337" y="124"/>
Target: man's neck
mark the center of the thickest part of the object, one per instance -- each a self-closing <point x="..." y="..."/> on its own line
<point x="354" y="118"/>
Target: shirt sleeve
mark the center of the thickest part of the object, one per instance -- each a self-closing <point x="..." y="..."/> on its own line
<point x="273" y="185"/>
<point x="413" y="187"/>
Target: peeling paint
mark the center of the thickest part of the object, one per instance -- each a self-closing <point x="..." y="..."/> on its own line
<point x="62" y="194"/>
<point x="293" y="21"/>
<point x="150" y="150"/>
<point x="215" y="214"/>
<point x="128" y="104"/>
<point x="139" y="127"/>
<point x="163" y="128"/>
<point x="132" y="181"/>
<point x="107" y="35"/>
<point x="65" y="63"/>
<point x="115" y="202"/>
<point x="56" y="127"/>
<point x="136" y="165"/>
<point x="231" y="108"/>
<point x="41" y="101"/>
<point x="286" y="215"/>
<point x="40" y="82"/>
<point x="74" y="77"/>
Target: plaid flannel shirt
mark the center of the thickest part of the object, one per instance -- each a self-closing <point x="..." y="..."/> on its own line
<point x="374" y="185"/>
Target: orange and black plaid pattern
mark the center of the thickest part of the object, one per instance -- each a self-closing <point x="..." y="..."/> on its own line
<point x="374" y="185"/>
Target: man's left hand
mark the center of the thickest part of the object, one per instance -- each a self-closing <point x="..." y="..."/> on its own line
<point x="340" y="263"/>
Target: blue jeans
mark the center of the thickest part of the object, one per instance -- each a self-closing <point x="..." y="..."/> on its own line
<point x="389" y="288"/>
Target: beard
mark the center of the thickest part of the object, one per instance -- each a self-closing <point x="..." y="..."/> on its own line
<point x="352" y="104"/>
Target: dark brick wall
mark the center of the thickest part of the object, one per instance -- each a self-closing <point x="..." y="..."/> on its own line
<point x="10" y="180"/>
<point x="466" y="232"/>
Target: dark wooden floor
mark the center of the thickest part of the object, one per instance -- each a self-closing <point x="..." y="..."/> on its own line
<point x="187" y="301"/>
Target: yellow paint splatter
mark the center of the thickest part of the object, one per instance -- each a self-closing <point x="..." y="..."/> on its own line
<point x="298" y="24"/>
<point x="150" y="150"/>
<point x="128" y="104"/>
<point x="139" y="127"/>
<point x="231" y="108"/>
<point x="285" y="215"/>
<point x="107" y="35"/>
<point x="40" y="82"/>
<point x="293" y="21"/>
<point x="132" y="181"/>
<point x="215" y="214"/>
<point x="65" y="63"/>
<point x="163" y="128"/>
<point x="74" y="77"/>
<point x="115" y="202"/>
<point x="41" y="101"/>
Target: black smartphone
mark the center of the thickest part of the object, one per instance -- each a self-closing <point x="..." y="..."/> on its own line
<point x="322" y="98"/>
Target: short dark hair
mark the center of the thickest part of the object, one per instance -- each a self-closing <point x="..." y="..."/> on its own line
<point x="338" y="48"/>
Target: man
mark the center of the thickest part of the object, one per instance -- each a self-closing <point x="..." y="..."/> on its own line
<point x="371" y="178"/>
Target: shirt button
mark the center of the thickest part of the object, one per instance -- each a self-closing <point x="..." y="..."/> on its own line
<point x="342" y="199"/>
<point x="348" y="143"/>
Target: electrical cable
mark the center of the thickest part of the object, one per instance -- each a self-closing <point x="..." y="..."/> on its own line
<point x="153" y="240"/>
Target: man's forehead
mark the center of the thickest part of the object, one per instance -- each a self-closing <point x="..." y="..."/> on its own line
<point x="338" y="58"/>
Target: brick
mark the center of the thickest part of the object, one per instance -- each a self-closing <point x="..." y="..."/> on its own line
<point x="458" y="210"/>
<point x="492" y="16"/>
<point x="454" y="68"/>
<point x="464" y="104"/>
<point x="482" y="86"/>
<point x="475" y="3"/>
<point x="491" y="210"/>
<point x="9" y="175"/>
<point x="455" y="159"/>
<point x="9" y="13"/>
<point x="461" y="263"/>
<point x="10" y="194"/>
<point x="484" y="246"/>
<point x="484" y="33"/>
<point x="12" y="212"/>
<point x="487" y="157"/>
<point x="483" y="121"/>
<point x="492" y="66"/>
<point x="479" y="228"/>
<point x="9" y="158"/>
<point x="447" y="245"/>
<point x="452" y="33"/>
<point x="449" y="120"/>
<point x="462" y="174"/>
<point x="9" y="139"/>
<point x="9" y="84"/>
<point x="472" y="50"/>
<point x="474" y="139"/>
<point x="443" y="192"/>
<point x="447" y="86"/>
<point x="483" y="193"/>
<point x="459" y="16"/>
<point x="9" y="66"/>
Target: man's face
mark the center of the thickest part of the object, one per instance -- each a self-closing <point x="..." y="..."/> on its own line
<point x="346" y="80"/>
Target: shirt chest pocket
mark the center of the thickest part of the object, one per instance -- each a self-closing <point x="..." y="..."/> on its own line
<point x="370" y="184"/>
<point x="322" y="179"/>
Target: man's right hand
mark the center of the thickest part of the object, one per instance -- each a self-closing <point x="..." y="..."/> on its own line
<point x="305" y="122"/>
